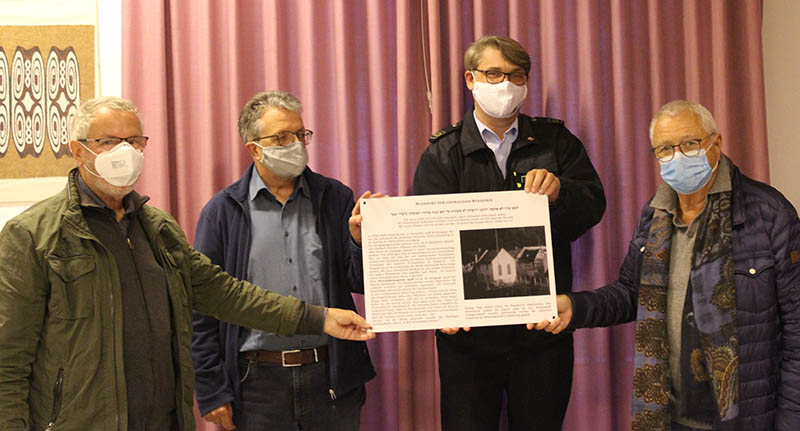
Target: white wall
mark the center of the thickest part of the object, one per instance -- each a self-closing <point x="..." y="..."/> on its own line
<point x="781" y="43"/>
<point x="18" y="195"/>
<point x="109" y="26"/>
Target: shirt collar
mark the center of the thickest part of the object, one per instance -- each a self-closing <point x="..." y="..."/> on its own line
<point x="88" y="198"/>
<point x="485" y="131"/>
<point x="257" y="184"/>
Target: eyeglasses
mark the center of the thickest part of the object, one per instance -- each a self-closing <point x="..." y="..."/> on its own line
<point x="496" y="76"/>
<point x="286" y="137"/>
<point x="689" y="148"/>
<point x="138" y="142"/>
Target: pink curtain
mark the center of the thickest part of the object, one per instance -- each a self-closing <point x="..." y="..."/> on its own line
<point x="360" y="69"/>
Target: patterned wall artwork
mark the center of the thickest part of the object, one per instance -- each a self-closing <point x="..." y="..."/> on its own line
<point x="45" y="73"/>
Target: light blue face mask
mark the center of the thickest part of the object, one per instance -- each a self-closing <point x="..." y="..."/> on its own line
<point x="687" y="175"/>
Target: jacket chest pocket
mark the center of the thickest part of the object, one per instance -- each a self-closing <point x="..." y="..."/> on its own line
<point x="754" y="278"/>
<point x="534" y="159"/>
<point x="71" y="286"/>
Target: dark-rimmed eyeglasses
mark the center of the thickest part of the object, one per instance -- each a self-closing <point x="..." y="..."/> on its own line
<point x="138" y="142"/>
<point x="286" y="137"/>
<point x="689" y="148"/>
<point x="495" y="76"/>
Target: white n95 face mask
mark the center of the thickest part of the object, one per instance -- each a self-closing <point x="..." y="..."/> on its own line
<point x="285" y="162"/>
<point x="120" y="166"/>
<point x="499" y="100"/>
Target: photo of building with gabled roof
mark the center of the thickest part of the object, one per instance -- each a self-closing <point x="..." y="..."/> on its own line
<point x="499" y="266"/>
<point x="504" y="262"/>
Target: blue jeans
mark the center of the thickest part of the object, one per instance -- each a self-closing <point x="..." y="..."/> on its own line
<point x="273" y="397"/>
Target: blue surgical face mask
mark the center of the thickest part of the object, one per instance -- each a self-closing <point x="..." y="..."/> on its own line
<point x="687" y="175"/>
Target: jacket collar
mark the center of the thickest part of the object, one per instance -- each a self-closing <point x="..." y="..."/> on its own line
<point x="72" y="215"/>
<point x="738" y="194"/>
<point x="132" y="202"/>
<point x="240" y="190"/>
<point x="472" y="141"/>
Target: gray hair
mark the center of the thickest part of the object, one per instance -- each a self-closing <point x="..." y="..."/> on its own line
<point x="250" y="117"/>
<point x="511" y="50"/>
<point x="82" y="121"/>
<point x="675" y="107"/>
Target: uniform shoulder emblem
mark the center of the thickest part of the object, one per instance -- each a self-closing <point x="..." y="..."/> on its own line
<point x="447" y="130"/>
<point x="547" y="120"/>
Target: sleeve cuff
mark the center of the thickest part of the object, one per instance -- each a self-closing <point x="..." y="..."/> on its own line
<point x="313" y="320"/>
<point x="578" y="311"/>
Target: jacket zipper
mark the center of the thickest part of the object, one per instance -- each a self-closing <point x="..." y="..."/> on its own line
<point x="114" y="339"/>
<point x="113" y="333"/>
<point x="325" y="277"/>
<point x="114" y="356"/>
<point x="56" y="399"/>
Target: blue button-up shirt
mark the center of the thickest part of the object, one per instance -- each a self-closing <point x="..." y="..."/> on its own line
<point x="285" y="257"/>
<point x="500" y="147"/>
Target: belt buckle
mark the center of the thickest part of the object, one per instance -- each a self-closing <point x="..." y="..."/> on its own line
<point x="283" y="358"/>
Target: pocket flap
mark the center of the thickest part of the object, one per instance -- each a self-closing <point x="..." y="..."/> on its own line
<point x="71" y="268"/>
<point x="752" y="266"/>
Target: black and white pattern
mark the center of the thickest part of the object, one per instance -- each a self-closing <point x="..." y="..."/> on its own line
<point x="63" y="96"/>
<point x="5" y="103"/>
<point x="27" y="104"/>
<point x="38" y="100"/>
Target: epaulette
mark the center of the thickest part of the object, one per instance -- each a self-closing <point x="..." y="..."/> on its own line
<point x="547" y="120"/>
<point x="449" y="129"/>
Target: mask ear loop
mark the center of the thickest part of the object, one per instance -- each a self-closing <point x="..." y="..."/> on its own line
<point x="263" y="151"/>
<point x="715" y="166"/>
<point x="705" y="153"/>
<point x="86" y="166"/>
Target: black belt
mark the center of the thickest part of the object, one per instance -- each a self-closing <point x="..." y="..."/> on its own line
<point x="288" y="358"/>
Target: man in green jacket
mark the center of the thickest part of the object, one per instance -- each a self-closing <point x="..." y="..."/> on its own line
<point x="97" y="291"/>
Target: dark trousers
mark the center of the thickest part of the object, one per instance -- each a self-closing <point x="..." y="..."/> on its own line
<point x="537" y="384"/>
<point x="294" y="398"/>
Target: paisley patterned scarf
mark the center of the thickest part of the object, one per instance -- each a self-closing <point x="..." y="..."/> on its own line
<point x="709" y="352"/>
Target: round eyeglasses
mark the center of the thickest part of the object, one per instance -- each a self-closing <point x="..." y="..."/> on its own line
<point x="689" y="148"/>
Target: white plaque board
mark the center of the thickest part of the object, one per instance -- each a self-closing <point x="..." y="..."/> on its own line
<point x="455" y="260"/>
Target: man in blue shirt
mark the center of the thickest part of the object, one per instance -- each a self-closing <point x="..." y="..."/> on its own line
<point x="285" y="228"/>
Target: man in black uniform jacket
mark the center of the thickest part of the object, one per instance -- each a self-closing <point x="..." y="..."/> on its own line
<point x="497" y="148"/>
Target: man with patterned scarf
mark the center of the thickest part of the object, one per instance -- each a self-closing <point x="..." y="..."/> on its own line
<point x="712" y="279"/>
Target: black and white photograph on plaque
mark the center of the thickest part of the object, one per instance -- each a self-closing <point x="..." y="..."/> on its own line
<point x="502" y="263"/>
<point x="468" y="259"/>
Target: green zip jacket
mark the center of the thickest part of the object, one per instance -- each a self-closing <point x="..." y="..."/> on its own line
<point x="61" y="322"/>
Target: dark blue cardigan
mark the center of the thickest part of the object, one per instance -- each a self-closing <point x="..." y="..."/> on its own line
<point x="223" y="234"/>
